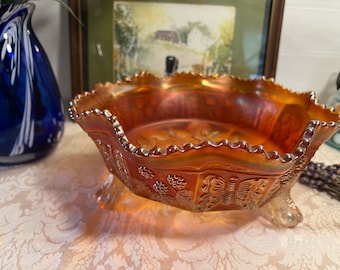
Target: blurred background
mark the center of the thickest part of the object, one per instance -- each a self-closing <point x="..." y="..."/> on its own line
<point x="309" y="53"/>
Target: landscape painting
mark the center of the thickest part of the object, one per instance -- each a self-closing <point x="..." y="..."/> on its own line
<point x="198" y="36"/>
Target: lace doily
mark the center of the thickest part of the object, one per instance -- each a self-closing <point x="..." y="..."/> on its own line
<point x="48" y="220"/>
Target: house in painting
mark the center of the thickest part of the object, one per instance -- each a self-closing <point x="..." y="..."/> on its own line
<point x="168" y="36"/>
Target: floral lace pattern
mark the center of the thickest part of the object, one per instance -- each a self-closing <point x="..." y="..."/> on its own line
<point x="48" y="220"/>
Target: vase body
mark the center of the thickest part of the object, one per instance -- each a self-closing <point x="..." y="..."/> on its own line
<point x="31" y="110"/>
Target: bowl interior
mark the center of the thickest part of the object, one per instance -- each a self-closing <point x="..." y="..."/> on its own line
<point x="191" y="109"/>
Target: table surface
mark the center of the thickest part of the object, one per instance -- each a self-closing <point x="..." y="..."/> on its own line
<point x="49" y="220"/>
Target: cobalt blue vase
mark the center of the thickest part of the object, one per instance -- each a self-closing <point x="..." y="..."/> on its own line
<point x="31" y="110"/>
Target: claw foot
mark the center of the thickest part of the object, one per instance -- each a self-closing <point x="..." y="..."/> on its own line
<point x="284" y="211"/>
<point x="106" y="196"/>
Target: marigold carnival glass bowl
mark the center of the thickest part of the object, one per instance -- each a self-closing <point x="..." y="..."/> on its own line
<point x="205" y="143"/>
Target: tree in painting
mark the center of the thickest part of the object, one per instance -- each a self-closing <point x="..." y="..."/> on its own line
<point x="126" y="35"/>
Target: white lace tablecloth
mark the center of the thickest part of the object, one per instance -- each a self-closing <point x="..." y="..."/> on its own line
<point x="48" y="220"/>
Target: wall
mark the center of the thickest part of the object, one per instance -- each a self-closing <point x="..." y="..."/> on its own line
<point x="309" y="55"/>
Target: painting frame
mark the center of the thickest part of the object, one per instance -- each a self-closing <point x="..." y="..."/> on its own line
<point x="90" y="63"/>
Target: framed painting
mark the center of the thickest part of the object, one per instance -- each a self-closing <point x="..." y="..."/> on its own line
<point x="119" y="38"/>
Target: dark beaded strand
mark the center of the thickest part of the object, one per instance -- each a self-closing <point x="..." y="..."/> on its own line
<point x="323" y="178"/>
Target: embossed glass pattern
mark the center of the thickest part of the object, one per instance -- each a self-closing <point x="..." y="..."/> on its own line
<point x="205" y="143"/>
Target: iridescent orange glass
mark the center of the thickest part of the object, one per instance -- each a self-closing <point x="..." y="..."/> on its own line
<point x="205" y="143"/>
